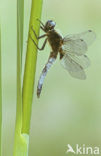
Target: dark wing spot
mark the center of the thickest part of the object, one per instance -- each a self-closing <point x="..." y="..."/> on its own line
<point x="81" y="67"/>
<point x="85" y="56"/>
<point x="89" y="30"/>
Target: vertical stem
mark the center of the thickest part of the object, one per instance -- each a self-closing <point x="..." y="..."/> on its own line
<point x="20" y="15"/>
<point x="20" y="147"/>
<point x="0" y="100"/>
<point x="24" y="97"/>
<point x="30" y="67"/>
<point x="20" y="20"/>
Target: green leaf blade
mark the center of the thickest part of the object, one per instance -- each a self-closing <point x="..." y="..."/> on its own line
<point x="30" y="66"/>
<point x="0" y="99"/>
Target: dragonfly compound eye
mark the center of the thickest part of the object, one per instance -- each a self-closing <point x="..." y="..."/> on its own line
<point x="50" y="24"/>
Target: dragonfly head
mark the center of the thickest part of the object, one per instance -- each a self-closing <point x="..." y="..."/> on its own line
<point x="49" y="25"/>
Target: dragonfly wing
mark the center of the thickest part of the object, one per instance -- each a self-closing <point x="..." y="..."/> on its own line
<point x="78" y="43"/>
<point x="75" y="65"/>
<point x="79" y="75"/>
<point x="71" y="46"/>
<point x="82" y="60"/>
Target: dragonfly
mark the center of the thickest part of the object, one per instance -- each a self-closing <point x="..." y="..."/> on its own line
<point x="72" y="50"/>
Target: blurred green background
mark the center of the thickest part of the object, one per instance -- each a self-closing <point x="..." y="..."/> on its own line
<point x="69" y="110"/>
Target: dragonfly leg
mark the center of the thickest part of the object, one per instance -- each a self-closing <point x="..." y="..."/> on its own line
<point x="40" y="22"/>
<point x="42" y="25"/>
<point x="42" y="36"/>
<point x="43" y="46"/>
<point x="42" y="28"/>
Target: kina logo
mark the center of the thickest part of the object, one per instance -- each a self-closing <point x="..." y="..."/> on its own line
<point x="83" y="150"/>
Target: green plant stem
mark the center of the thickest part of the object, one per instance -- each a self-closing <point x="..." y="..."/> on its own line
<point x="0" y="101"/>
<point x="30" y="67"/>
<point x="20" y="15"/>
<point x="19" y="99"/>
<point x="24" y="103"/>
<point x="20" y="20"/>
<point x="20" y="146"/>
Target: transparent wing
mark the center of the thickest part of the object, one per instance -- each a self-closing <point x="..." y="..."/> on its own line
<point x="77" y="47"/>
<point x="78" y="43"/>
<point x="79" y="75"/>
<point x="82" y="60"/>
<point x="75" y="65"/>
